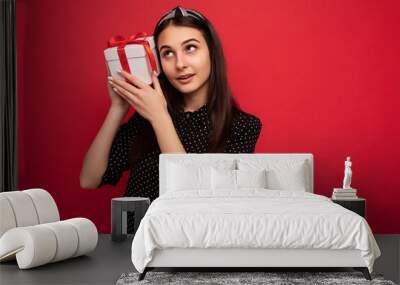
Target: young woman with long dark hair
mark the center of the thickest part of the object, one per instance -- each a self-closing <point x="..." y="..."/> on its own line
<point x="188" y="109"/>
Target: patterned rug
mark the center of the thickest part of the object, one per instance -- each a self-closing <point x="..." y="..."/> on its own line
<point x="243" y="278"/>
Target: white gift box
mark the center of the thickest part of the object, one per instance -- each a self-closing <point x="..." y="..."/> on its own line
<point x="137" y="58"/>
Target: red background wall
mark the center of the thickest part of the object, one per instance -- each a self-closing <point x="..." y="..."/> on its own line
<point x="322" y="76"/>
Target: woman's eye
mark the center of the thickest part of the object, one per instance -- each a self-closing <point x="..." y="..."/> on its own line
<point x="191" y="46"/>
<point x="165" y="53"/>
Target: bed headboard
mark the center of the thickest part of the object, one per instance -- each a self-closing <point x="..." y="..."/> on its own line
<point x="210" y="158"/>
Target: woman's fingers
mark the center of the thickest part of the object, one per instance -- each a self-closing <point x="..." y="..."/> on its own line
<point x="156" y="83"/>
<point x="119" y="93"/>
<point x="128" y="96"/>
<point x="125" y="85"/>
<point x="133" y="79"/>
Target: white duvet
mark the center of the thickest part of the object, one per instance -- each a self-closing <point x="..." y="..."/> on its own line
<point x="250" y="218"/>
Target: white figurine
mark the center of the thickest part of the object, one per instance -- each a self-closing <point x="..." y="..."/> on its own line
<point x="347" y="174"/>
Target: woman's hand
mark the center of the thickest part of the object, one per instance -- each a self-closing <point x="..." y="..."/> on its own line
<point x="117" y="102"/>
<point x="148" y="101"/>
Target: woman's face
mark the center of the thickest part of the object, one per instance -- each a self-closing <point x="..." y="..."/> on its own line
<point x="184" y="51"/>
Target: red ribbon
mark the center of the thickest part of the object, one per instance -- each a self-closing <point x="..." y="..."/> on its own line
<point x="121" y="42"/>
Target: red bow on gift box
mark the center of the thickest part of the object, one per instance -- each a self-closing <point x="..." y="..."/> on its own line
<point x="121" y="42"/>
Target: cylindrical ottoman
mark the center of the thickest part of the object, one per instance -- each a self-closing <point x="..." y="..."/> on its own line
<point x="119" y="208"/>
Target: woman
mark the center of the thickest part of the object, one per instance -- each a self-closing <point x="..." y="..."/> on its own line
<point x="189" y="109"/>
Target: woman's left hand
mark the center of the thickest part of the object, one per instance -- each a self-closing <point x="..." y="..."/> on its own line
<point x="148" y="101"/>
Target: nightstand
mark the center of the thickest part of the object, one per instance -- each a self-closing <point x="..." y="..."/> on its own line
<point x="356" y="205"/>
<point x="119" y="208"/>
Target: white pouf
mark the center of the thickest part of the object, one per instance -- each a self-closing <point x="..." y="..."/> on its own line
<point x="7" y="218"/>
<point x="23" y="209"/>
<point x="40" y="244"/>
<point x="31" y="231"/>
<point x="26" y="208"/>
<point x="45" y="205"/>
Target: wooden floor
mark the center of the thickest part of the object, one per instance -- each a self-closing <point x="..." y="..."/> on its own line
<point x="110" y="259"/>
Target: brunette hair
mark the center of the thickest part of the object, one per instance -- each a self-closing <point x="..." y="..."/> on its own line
<point x="221" y="105"/>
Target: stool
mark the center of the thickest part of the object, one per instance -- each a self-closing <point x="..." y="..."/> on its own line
<point x="119" y="208"/>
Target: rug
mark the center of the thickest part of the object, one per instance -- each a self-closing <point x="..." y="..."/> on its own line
<point x="244" y="278"/>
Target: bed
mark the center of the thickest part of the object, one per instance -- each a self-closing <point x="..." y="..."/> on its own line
<point x="244" y="211"/>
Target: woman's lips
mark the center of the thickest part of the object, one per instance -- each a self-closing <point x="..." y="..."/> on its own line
<point x="186" y="80"/>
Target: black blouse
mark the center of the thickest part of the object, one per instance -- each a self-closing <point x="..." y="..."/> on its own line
<point x="192" y="129"/>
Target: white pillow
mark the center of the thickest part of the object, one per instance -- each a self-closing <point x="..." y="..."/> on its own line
<point x="188" y="177"/>
<point x="288" y="179"/>
<point x="223" y="179"/>
<point x="236" y="179"/>
<point x="282" y="174"/>
<point x="202" y="161"/>
<point x="251" y="178"/>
